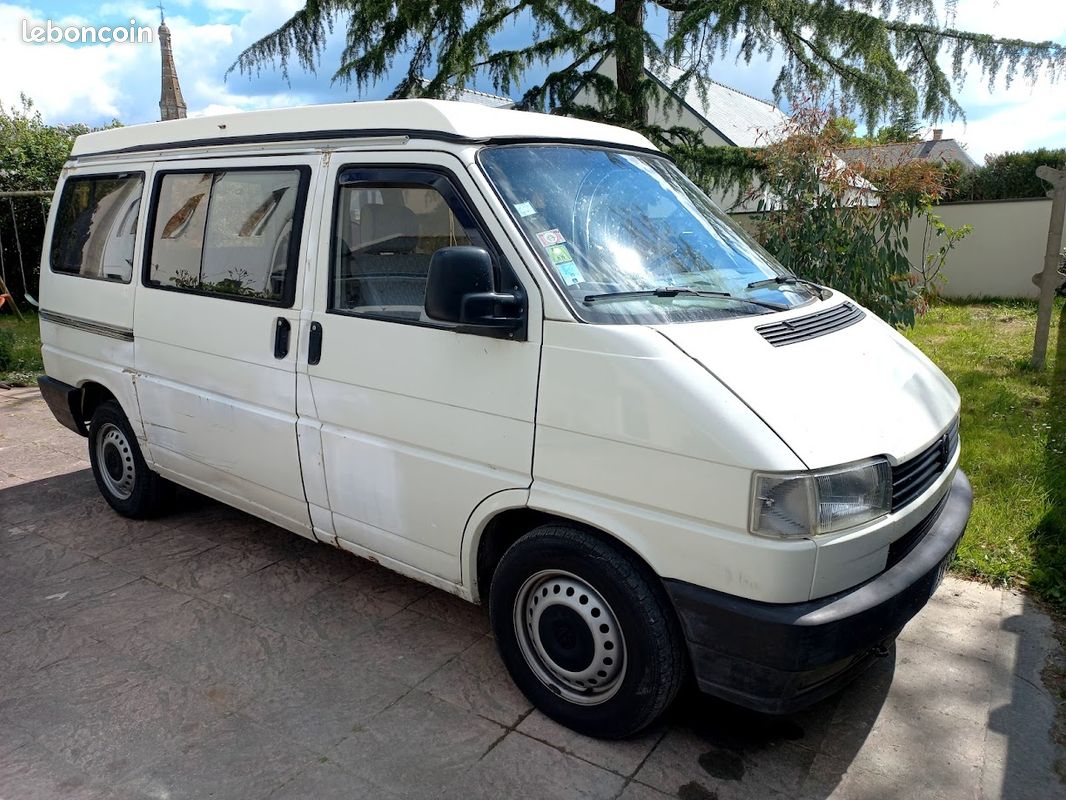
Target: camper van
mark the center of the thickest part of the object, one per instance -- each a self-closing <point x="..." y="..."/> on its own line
<point x="521" y="358"/>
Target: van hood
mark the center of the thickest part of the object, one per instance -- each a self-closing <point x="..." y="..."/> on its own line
<point x="858" y="392"/>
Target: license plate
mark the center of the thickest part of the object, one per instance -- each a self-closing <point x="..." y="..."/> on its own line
<point x="941" y="571"/>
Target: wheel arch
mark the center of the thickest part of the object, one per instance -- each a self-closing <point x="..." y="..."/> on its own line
<point x="505" y="525"/>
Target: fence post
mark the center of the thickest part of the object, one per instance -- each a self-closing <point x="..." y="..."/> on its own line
<point x="1048" y="279"/>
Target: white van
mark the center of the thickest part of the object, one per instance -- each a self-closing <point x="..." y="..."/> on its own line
<point x="518" y="357"/>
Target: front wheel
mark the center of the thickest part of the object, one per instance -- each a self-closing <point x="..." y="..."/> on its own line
<point x="122" y="475"/>
<point x="586" y="632"/>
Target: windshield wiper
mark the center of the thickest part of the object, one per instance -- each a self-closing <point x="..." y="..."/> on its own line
<point x="674" y="291"/>
<point x="789" y="280"/>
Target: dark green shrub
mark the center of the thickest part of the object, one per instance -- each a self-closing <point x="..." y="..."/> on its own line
<point x="7" y="349"/>
<point x="1009" y="176"/>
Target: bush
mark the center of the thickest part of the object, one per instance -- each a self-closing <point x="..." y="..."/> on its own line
<point x="844" y="227"/>
<point x="7" y="349"/>
<point x="1008" y="176"/>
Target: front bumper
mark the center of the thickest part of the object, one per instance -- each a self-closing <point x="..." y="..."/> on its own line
<point x="778" y="658"/>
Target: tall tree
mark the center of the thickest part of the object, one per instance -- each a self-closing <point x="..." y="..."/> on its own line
<point x="884" y="56"/>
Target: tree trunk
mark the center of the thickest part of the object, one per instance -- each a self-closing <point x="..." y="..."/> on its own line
<point x="629" y="55"/>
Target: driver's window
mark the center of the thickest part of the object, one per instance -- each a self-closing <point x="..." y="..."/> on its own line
<point x="385" y="235"/>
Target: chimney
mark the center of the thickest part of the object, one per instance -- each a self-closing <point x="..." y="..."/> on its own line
<point x="171" y="103"/>
<point x="938" y="134"/>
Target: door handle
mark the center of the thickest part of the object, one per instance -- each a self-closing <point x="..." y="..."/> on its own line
<point x="282" y="329"/>
<point x="314" y="344"/>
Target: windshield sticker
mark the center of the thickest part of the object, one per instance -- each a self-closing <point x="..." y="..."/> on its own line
<point x="525" y="209"/>
<point x="548" y="238"/>
<point x="558" y="253"/>
<point x="569" y="272"/>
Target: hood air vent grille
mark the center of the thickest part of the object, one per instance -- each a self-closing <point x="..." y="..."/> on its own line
<point x="799" y="329"/>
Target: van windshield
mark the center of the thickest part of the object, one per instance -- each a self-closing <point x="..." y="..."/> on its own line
<point x="632" y="240"/>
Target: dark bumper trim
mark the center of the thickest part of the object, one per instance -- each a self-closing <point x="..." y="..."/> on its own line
<point x="782" y="657"/>
<point x="64" y="401"/>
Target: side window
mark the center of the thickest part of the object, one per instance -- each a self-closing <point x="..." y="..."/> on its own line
<point x="228" y="232"/>
<point x="385" y="235"/>
<point x="96" y="227"/>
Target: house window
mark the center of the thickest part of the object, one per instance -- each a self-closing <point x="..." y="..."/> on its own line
<point x="96" y="227"/>
<point x="228" y="232"/>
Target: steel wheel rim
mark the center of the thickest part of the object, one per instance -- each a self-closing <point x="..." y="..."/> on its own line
<point x="114" y="459"/>
<point x="562" y="621"/>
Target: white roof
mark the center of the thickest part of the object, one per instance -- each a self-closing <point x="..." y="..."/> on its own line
<point x="740" y="118"/>
<point x="435" y="118"/>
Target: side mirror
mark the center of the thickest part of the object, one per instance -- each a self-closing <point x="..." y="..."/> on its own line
<point x="460" y="289"/>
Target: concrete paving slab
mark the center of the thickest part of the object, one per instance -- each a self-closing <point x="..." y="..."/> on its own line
<point x="476" y="681"/>
<point x="522" y="767"/>
<point x="208" y="653"/>
<point x="417" y="746"/>
<point x="326" y="779"/>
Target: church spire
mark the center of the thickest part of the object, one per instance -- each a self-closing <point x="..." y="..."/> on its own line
<point x="171" y="103"/>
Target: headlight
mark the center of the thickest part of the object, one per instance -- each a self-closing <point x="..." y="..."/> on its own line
<point x="801" y="504"/>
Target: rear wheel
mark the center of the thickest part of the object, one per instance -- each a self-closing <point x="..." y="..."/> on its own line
<point x="122" y="475"/>
<point x="586" y="632"/>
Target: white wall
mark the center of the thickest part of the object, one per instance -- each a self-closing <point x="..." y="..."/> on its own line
<point x="1001" y="254"/>
<point x="997" y="259"/>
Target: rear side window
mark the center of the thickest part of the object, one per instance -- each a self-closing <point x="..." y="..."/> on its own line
<point x="96" y="226"/>
<point x="228" y="233"/>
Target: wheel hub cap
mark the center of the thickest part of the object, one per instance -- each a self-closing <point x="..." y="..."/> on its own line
<point x="570" y="637"/>
<point x="115" y="458"/>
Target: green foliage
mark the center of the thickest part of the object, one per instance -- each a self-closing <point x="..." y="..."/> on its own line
<point x="7" y="349"/>
<point x="713" y="168"/>
<point x="31" y="157"/>
<point x="1013" y="439"/>
<point x="939" y="240"/>
<point x="32" y="153"/>
<point x="20" y="348"/>
<point x="887" y="56"/>
<point x="1009" y="175"/>
<point x="827" y="222"/>
<point x="905" y="127"/>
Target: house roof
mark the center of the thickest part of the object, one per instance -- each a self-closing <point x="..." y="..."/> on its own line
<point x="464" y="95"/>
<point x="435" y="118"/>
<point x="887" y="155"/>
<point x="739" y="118"/>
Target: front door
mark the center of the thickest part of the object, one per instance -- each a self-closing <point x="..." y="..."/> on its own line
<point x="215" y="331"/>
<point x="415" y="423"/>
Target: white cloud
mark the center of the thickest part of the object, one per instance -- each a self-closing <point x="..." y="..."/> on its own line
<point x="95" y="83"/>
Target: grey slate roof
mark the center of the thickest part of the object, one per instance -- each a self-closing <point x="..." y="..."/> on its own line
<point x="741" y="119"/>
<point x="887" y="155"/>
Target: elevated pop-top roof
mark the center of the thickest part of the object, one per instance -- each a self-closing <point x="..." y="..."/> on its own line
<point x="440" y="119"/>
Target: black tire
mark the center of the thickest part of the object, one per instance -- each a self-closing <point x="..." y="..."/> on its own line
<point x="122" y="475"/>
<point x="543" y="566"/>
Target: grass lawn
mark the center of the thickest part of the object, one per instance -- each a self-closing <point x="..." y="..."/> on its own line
<point x="20" y="348"/>
<point x="1013" y="432"/>
<point x="1013" y="440"/>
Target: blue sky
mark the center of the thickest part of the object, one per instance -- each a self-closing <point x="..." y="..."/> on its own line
<point x="94" y="83"/>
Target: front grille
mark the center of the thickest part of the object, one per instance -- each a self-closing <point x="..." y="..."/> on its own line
<point x="898" y="550"/>
<point x="917" y="474"/>
<point x="799" y="329"/>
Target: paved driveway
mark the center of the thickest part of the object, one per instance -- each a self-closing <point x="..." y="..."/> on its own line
<point x="209" y="654"/>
